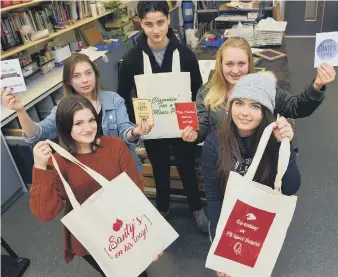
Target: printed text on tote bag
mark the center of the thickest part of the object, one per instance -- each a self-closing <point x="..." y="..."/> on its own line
<point x="126" y="235"/>
<point x="244" y="234"/>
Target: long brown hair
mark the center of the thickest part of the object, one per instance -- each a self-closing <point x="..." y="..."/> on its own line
<point x="64" y="120"/>
<point x="68" y="70"/>
<point x="231" y="150"/>
<point x="215" y="99"/>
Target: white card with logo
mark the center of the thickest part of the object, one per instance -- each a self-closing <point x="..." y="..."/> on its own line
<point x="11" y="75"/>
<point x="326" y="49"/>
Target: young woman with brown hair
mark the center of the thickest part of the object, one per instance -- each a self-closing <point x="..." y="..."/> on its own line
<point x="233" y="144"/>
<point x="81" y="77"/>
<point x="78" y="126"/>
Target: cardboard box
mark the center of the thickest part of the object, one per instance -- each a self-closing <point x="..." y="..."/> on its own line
<point x="61" y="54"/>
<point x="255" y="4"/>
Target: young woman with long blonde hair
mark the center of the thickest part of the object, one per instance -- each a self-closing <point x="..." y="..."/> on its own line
<point x="234" y="60"/>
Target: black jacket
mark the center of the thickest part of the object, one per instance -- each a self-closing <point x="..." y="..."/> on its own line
<point x="287" y="105"/>
<point x="133" y="65"/>
<point x="290" y="182"/>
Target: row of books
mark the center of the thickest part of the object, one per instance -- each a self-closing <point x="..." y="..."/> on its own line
<point x="51" y="16"/>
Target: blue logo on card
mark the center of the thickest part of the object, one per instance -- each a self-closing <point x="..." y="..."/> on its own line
<point x="327" y="49"/>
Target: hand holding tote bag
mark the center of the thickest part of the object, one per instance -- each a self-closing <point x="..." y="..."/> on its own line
<point x="165" y="89"/>
<point x="254" y="219"/>
<point x="117" y="224"/>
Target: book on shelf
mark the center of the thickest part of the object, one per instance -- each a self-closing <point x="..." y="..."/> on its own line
<point x="50" y="16"/>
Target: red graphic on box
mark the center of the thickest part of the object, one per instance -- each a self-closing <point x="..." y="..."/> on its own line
<point x="244" y="234"/>
<point x="127" y="235"/>
<point x="187" y="115"/>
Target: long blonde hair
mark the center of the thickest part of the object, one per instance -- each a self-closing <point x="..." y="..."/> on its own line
<point x="215" y="98"/>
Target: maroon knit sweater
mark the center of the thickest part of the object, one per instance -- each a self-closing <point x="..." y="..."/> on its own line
<point x="48" y="196"/>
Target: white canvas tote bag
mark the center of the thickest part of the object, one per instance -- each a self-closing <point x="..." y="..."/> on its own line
<point x="165" y="89"/>
<point x="254" y="220"/>
<point x="117" y="225"/>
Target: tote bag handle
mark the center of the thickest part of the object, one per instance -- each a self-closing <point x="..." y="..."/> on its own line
<point x="96" y="176"/>
<point x="176" y="64"/>
<point x="62" y="152"/>
<point x="283" y="159"/>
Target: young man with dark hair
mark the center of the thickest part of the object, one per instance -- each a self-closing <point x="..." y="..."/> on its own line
<point x="159" y="43"/>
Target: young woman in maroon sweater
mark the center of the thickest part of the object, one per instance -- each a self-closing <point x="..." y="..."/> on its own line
<point x="78" y="129"/>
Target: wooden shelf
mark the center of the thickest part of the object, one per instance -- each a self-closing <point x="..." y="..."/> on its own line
<point x="222" y="18"/>
<point x="76" y="25"/>
<point x="244" y="10"/>
<point x="232" y="11"/>
<point x="24" y="5"/>
<point x="207" y="11"/>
